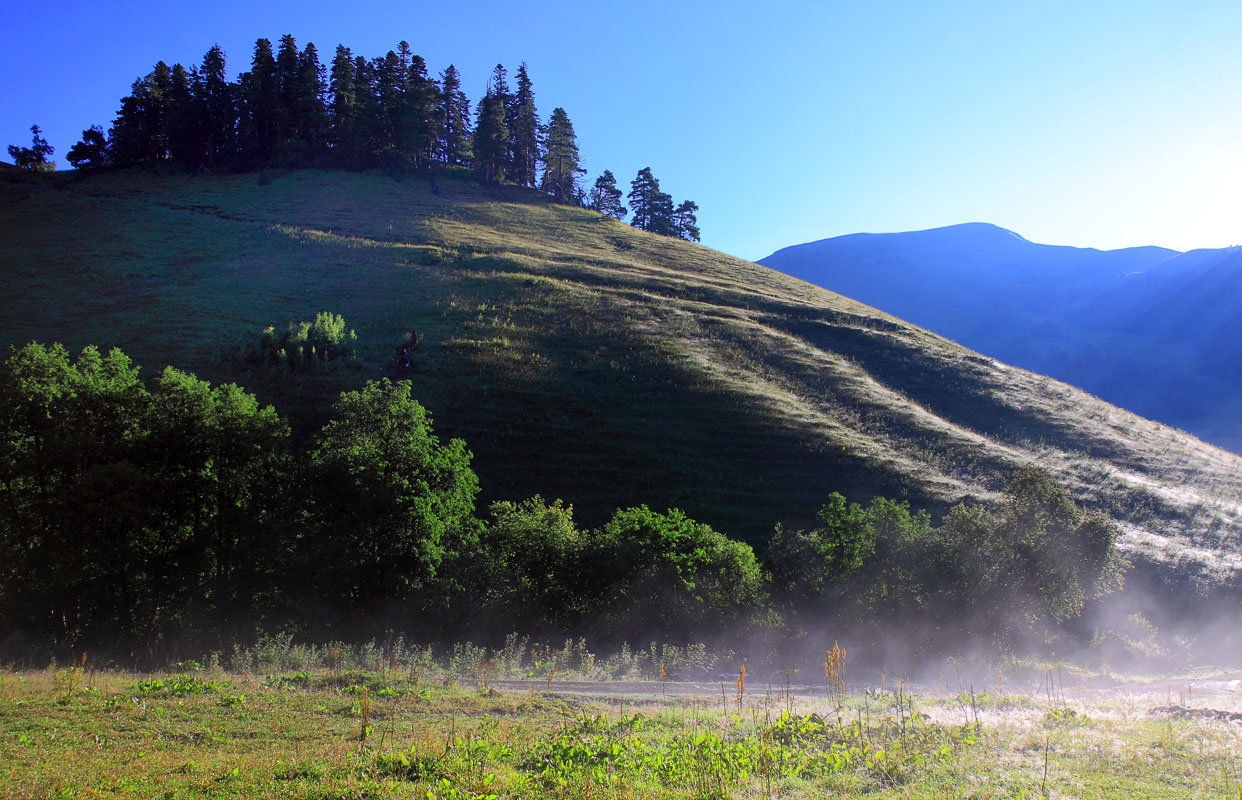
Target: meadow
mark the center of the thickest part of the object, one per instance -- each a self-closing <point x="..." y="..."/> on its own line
<point x="380" y="721"/>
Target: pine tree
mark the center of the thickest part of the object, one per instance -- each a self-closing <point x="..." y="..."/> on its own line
<point x="453" y="145"/>
<point x="684" y="221"/>
<point x="310" y="113"/>
<point x="605" y="197"/>
<point x="217" y="105"/>
<point x="652" y="208"/>
<point x="369" y="131"/>
<point x="183" y="120"/>
<point x="490" y="144"/>
<point x="560" y="159"/>
<point x="91" y="152"/>
<point x="259" y="90"/>
<point x="523" y="121"/>
<point x="343" y="110"/>
<point x="33" y="158"/>
<point x="288" y="90"/>
<point x="419" y="120"/>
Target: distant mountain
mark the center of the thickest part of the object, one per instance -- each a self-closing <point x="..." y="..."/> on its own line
<point x="1155" y="331"/>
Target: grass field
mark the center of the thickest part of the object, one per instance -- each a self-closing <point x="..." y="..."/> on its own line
<point x="583" y="359"/>
<point x="412" y="729"/>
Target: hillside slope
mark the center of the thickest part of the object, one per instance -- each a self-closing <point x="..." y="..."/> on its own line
<point x="586" y="360"/>
<point x="1149" y="329"/>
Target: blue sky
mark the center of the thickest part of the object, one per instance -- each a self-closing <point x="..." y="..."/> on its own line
<point x="1097" y="124"/>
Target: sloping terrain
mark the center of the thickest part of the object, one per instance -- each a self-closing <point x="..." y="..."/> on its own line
<point x="1149" y="329"/>
<point x="586" y="360"/>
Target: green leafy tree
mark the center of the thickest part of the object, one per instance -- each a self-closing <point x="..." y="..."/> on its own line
<point x="605" y="197"/>
<point x="560" y="160"/>
<point x="531" y="569"/>
<point x="809" y="567"/>
<point x="392" y="502"/>
<point x="670" y="573"/>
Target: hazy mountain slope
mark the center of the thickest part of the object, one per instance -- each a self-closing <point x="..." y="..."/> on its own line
<point x="584" y="359"/>
<point x="1149" y="329"/>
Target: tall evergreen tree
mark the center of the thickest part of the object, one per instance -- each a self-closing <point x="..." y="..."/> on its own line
<point x="560" y="159"/>
<point x="685" y="224"/>
<point x="453" y="117"/>
<point x="419" y="118"/>
<point x="523" y="121"/>
<point x="490" y="144"/>
<point x="289" y="86"/>
<point x="218" y="106"/>
<point x="310" y="114"/>
<point x="652" y="208"/>
<point x="369" y="122"/>
<point x="605" y="197"/>
<point x="343" y="110"/>
<point x="260" y="94"/>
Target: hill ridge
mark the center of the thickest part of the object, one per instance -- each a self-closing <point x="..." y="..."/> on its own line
<point x="581" y="358"/>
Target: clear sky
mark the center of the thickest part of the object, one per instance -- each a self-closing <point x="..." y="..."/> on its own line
<point x="1090" y="123"/>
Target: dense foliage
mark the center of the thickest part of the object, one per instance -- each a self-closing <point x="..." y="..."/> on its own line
<point x="290" y="110"/>
<point x="137" y="512"/>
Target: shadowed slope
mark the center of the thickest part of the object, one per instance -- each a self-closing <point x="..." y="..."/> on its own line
<point x="581" y="358"/>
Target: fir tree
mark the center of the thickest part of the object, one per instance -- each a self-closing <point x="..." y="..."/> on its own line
<point x="311" y="119"/>
<point x="259" y="90"/>
<point x="218" y="108"/>
<point x="523" y="122"/>
<point x="343" y="110"/>
<point x="490" y="144"/>
<point x="453" y="115"/>
<point x="183" y="122"/>
<point x="419" y="119"/>
<point x="684" y="221"/>
<point x="560" y="160"/>
<point x="605" y="197"/>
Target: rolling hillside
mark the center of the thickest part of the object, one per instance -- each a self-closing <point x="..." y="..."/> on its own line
<point x="1149" y="329"/>
<point x="586" y="360"/>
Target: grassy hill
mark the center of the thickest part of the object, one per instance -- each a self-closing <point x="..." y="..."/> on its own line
<point x="586" y="360"/>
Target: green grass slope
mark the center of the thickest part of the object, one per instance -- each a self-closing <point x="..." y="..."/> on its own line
<point x="586" y="360"/>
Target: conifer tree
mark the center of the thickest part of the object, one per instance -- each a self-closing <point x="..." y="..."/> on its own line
<point x="523" y="121"/>
<point x="652" y="208"/>
<point x="183" y="120"/>
<point x="605" y="197"/>
<point x="33" y="158"/>
<point x="260" y="95"/>
<point x="344" y="107"/>
<point x="217" y="105"/>
<point x="89" y="153"/>
<point x="419" y="119"/>
<point x="311" y="119"/>
<point x="684" y="221"/>
<point x="453" y="115"/>
<point x="369" y="133"/>
<point x="490" y="144"/>
<point x="288" y="82"/>
<point x="560" y="159"/>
